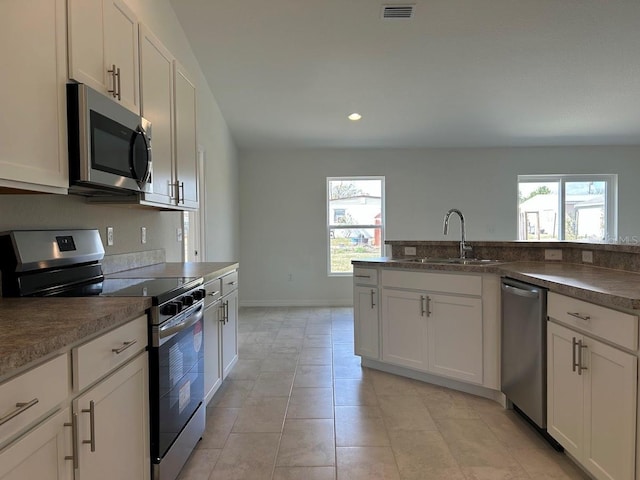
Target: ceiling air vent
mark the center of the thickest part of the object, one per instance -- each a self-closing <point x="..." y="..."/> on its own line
<point x="397" y="11"/>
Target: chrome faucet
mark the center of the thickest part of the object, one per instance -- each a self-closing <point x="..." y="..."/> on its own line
<point x="464" y="248"/>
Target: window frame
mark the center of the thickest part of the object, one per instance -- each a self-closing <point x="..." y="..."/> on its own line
<point x="611" y="201"/>
<point x="333" y="226"/>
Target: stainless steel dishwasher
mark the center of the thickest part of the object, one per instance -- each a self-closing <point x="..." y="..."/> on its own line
<point x="524" y="349"/>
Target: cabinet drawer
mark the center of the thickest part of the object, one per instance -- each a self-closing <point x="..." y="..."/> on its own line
<point x="617" y="327"/>
<point x="229" y="283"/>
<point x="214" y="291"/>
<point x="98" y="357"/>
<point x="365" y="276"/>
<point x="435" y="282"/>
<point x="45" y="387"/>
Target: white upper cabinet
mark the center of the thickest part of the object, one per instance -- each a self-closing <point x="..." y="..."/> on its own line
<point x="185" y="124"/>
<point x="169" y="103"/>
<point x="156" y="79"/>
<point x="103" y="49"/>
<point x="33" y="142"/>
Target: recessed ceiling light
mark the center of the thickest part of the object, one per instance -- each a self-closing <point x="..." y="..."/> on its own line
<point x="354" y="117"/>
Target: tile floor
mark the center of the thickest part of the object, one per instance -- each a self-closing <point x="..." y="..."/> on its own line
<point x="298" y="405"/>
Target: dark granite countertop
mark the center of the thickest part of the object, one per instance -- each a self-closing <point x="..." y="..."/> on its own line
<point x="604" y="286"/>
<point x="208" y="270"/>
<point x="33" y="329"/>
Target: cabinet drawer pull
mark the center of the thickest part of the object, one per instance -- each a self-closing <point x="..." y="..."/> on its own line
<point x="92" y="424"/>
<point x="213" y="294"/>
<point x="20" y="407"/>
<point x="181" y="187"/>
<point x="232" y="283"/>
<point x="363" y="276"/>
<point x="579" y="315"/>
<point x="221" y="313"/>
<point x="428" y="306"/>
<point x="124" y="346"/>
<point x="574" y="364"/>
<point x="373" y="292"/>
<point x="422" y="305"/>
<point x="114" y="90"/>
<point x="117" y="74"/>
<point x="74" y="440"/>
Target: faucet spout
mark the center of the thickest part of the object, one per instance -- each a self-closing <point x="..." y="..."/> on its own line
<point x="464" y="248"/>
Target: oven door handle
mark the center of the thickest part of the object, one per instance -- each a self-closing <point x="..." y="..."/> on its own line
<point x="190" y="319"/>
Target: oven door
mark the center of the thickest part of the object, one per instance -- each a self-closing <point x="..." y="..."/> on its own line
<point x="176" y="378"/>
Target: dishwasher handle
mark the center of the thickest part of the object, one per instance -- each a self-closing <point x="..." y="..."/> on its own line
<point x="531" y="293"/>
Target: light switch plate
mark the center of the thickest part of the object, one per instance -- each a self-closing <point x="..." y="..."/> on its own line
<point x="552" y="254"/>
<point x="587" y="256"/>
<point x="110" y="236"/>
<point x="409" y="250"/>
<point x="143" y="234"/>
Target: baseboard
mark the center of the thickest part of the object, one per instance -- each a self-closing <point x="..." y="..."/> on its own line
<point x="344" y="302"/>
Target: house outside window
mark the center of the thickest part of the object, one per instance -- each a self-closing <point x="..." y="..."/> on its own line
<point x="567" y="207"/>
<point x="355" y="221"/>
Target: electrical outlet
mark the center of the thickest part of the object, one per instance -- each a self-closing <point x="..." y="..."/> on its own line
<point x="179" y="234"/>
<point x="143" y="234"/>
<point x="409" y="250"/>
<point x="587" y="256"/>
<point x="552" y="254"/>
<point x="110" y="236"/>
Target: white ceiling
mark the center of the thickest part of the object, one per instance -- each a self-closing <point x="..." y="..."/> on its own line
<point x="461" y="73"/>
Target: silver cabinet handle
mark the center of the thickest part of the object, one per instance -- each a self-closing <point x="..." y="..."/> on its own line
<point x="92" y="424"/>
<point x="580" y="347"/>
<point x="20" y="408"/>
<point x="579" y="315"/>
<point x="226" y="311"/>
<point x="422" y="305"/>
<point x="114" y="90"/>
<point x="117" y="74"/>
<point x="74" y="440"/>
<point x="235" y="282"/>
<point x="213" y="294"/>
<point x="428" y="306"/>
<point x="363" y="276"/>
<point x="221" y="315"/>
<point x="574" y="364"/>
<point x="124" y="346"/>
<point x="181" y="187"/>
<point x="373" y="292"/>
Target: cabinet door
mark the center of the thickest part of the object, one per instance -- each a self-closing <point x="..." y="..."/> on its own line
<point x="212" y="371"/>
<point x="118" y="443"/>
<point x="366" y="336"/>
<point x="185" y="122"/>
<point x="609" y="411"/>
<point x="156" y="79"/>
<point x="455" y="337"/>
<point x="121" y="50"/>
<point x="40" y="454"/>
<point x="33" y="144"/>
<point x="565" y="409"/>
<point x="230" y="333"/>
<point x="86" y="43"/>
<point x="404" y="328"/>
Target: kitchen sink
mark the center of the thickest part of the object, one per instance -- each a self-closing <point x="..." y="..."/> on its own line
<point x="452" y="261"/>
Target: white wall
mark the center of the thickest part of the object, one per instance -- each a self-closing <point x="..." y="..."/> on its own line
<point x="58" y="211"/>
<point x="283" y="212"/>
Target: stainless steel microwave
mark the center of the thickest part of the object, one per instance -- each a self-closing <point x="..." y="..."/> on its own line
<point x="109" y="146"/>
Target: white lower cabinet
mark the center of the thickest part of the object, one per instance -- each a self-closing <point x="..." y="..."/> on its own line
<point x="454" y="337"/>
<point x="113" y="426"/>
<point x="404" y="329"/>
<point x="212" y="370"/>
<point x="229" y="345"/>
<point x="366" y="321"/>
<point x="44" y="453"/>
<point x="591" y="408"/>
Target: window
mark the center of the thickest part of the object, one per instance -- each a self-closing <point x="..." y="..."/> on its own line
<point x="355" y="221"/>
<point x="586" y="204"/>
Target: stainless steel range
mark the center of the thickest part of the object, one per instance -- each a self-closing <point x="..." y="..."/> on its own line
<point x="68" y="263"/>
